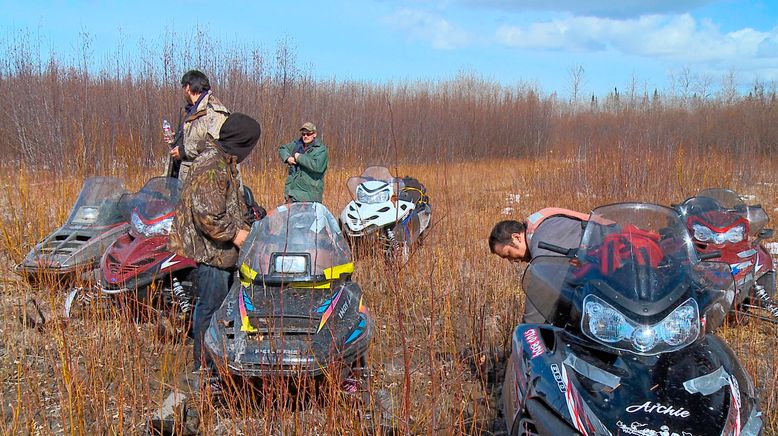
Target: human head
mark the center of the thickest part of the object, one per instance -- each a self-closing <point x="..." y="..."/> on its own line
<point x="238" y="135"/>
<point x="509" y="241"/>
<point x="194" y="83"/>
<point x="308" y="132"/>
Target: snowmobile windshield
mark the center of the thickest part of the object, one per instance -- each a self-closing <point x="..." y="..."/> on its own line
<point x="635" y="283"/>
<point x="642" y="251"/>
<point x="157" y="199"/>
<point x="756" y="216"/>
<point x="297" y="242"/>
<point x="719" y="216"/>
<point x="97" y="203"/>
<point x="375" y="182"/>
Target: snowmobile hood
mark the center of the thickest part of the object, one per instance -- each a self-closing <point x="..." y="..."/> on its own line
<point x="702" y="390"/>
<point x="262" y="330"/>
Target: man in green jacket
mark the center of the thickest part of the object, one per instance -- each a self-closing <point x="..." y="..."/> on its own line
<point x="307" y="159"/>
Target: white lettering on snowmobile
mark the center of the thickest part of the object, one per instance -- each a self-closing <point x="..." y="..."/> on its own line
<point x="343" y="309"/>
<point x="659" y="408"/>
<point x="531" y="336"/>
<point x="558" y="377"/>
<point x="639" y="429"/>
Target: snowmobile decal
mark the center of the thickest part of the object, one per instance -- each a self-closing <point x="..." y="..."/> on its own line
<point x="336" y="271"/>
<point x="247" y="275"/>
<point x="362" y="322"/>
<point x="245" y="305"/>
<point x="329" y="310"/>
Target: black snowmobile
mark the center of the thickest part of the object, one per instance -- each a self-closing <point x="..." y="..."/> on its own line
<point x="295" y="310"/>
<point x="72" y="252"/>
<point x="628" y="348"/>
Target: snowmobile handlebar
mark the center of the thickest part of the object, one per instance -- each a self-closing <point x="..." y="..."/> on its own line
<point x="710" y="255"/>
<point x="569" y="252"/>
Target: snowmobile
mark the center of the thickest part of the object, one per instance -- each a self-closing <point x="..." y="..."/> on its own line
<point x="295" y="310"/>
<point x="628" y="347"/>
<point x="138" y="263"/>
<point x="719" y="221"/>
<point x="395" y="210"/>
<point x="71" y="253"/>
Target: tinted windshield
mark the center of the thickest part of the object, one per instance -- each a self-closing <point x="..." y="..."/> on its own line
<point x="296" y="228"/>
<point x="96" y="204"/>
<point x="157" y="198"/>
<point x="377" y="173"/>
<point x="722" y="209"/>
<point x="640" y="255"/>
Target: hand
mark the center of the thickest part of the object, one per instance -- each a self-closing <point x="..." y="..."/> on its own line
<point x="291" y="160"/>
<point x="175" y="154"/>
<point x="296" y="156"/>
<point x="240" y="237"/>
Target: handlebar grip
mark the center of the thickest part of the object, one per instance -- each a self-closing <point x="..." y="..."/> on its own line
<point x="555" y="248"/>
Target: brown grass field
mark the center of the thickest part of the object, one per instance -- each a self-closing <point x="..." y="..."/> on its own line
<point x="485" y="151"/>
<point x="443" y="319"/>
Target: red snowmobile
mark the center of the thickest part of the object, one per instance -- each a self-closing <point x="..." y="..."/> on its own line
<point x="138" y="264"/>
<point x="720" y="222"/>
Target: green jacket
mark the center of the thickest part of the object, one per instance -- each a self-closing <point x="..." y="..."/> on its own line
<point x="305" y="181"/>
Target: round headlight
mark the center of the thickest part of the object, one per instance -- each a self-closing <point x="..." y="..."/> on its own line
<point x="644" y="338"/>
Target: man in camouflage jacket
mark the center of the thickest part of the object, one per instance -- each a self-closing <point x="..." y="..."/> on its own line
<point x="209" y="224"/>
<point x="203" y="115"/>
<point x="307" y="159"/>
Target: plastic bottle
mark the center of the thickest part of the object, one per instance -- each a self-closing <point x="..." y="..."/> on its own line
<point x="167" y="132"/>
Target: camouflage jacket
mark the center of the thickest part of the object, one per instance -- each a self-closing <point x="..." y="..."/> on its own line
<point x="207" y="119"/>
<point x="210" y="212"/>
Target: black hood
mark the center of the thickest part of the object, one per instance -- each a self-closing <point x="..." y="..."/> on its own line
<point x="238" y="135"/>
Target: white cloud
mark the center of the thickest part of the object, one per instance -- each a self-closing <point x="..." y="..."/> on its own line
<point x="597" y="8"/>
<point x="678" y="37"/>
<point x="424" y="26"/>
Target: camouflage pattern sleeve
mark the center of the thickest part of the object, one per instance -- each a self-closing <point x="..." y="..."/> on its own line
<point x="209" y="206"/>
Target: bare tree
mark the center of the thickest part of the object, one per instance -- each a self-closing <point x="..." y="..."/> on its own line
<point x="577" y="80"/>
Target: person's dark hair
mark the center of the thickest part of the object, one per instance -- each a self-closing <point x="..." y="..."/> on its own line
<point x="197" y="81"/>
<point x="502" y="231"/>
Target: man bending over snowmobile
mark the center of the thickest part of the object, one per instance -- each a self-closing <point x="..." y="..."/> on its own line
<point x="518" y="241"/>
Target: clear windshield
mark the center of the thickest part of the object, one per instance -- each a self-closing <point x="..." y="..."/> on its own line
<point x="157" y="198"/>
<point x="96" y="204"/>
<point x="721" y="210"/>
<point x="638" y="254"/>
<point x="376" y="173"/>
<point x="306" y="229"/>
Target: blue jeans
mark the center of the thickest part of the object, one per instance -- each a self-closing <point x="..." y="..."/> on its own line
<point x="213" y="284"/>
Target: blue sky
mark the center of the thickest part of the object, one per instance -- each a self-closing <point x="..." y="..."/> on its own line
<point x="651" y="44"/>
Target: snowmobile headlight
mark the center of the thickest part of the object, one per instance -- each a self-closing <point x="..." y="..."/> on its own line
<point x="86" y="215"/>
<point x="702" y="233"/>
<point x="291" y="264"/>
<point x="159" y="228"/>
<point x="603" y="323"/>
<point x="606" y="323"/>
<point x="733" y="235"/>
<point x="373" y="197"/>
<point x="682" y="326"/>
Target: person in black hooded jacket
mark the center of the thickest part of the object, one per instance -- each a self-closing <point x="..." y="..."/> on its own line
<point x="209" y="224"/>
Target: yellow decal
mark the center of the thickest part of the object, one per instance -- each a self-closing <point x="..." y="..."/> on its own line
<point x="247" y="275"/>
<point x="335" y="271"/>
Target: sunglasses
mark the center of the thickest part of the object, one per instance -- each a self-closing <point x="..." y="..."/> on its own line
<point x="308" y="133"/>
